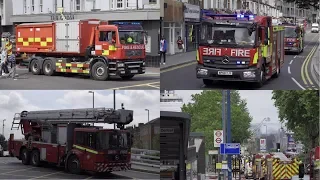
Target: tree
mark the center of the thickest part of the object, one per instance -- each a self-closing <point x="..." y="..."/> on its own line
<point x="299" y="110"/>
<point x="206" y="116"/>
<point x="3" y="142"/>
<point x="305" y="4"/>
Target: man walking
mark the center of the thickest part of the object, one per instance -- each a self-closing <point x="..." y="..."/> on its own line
<point x="163" y="50"/>
<point x="3" y="63"/>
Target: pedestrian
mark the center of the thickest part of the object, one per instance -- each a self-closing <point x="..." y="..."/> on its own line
<point x="301" y="170"/>
<point x="180" y="44"/>
<point x="3" y="63"/>
<point x="163" y="50"/>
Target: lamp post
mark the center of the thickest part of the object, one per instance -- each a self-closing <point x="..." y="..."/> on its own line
<point x="148" y="114"/>
<point x="92" y="92"/>
<point x="3" y="126"/>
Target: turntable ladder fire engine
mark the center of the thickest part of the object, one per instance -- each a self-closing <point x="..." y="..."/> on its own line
<point x="33" y="121"/>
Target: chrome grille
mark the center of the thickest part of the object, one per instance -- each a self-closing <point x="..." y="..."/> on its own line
<point x="133" y="53"/>
<point x="220" y="63"/>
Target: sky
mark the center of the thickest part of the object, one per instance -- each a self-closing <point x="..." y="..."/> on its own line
<point x="259" y="103"/>
<point x="12" y="102"/>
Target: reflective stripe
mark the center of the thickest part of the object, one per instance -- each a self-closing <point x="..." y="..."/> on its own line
<point x="197" y="56"/>
<point x="85" y="149"/>
<point x="256" y="57"/>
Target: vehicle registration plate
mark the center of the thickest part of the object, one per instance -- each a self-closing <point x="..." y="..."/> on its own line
<point x="225" y="73"/>
<point x="134" y="71"/>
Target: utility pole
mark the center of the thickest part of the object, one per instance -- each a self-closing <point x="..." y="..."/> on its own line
<point x="258" y="8"/>
<point x="224" y="126"/>
<point x="229" y="132"/>
<point x="294" y="12"/>
<point x="148" y="114"/>
<point x="3" y="126"/>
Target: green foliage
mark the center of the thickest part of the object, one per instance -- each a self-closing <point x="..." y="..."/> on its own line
<point x="300" y="111"/>
<point x="206" y="116"/>
<point x="3" y="142"/>
<point x="305" y="4"/>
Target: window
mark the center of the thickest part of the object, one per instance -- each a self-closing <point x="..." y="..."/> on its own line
<point x="62" y="3"/>
<point x="107" y="36"/>
<point x="87" y="139"/>
<point x="112" y="4"/>
<point x="80" y="138"/>
<point x="41" y="6"/>
<point x="78" y="6"/>
<point x="119" y="3"/>
<point x="55" y="6"/>
<point x="152" y="1"/>
<point x="25" y="6"/>
<point x="32" y="5"/>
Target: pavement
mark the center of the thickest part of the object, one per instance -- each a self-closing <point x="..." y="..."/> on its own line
<point x="27" y="81"/>
<point x="299" y="72"/>
<point x="12" y="168"/>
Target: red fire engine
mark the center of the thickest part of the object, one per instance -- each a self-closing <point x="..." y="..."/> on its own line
<point x="239" y="47"/>
<point x="294" y="38"/>
<point x="62" y="137"/>
<point x="91" y="47"/>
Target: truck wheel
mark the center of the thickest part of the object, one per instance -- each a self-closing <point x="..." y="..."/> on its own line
<point x="35" y="67"/>
<point x="25" y="157"/>
<point x="99" y="71"/>
<point x="48" y="68"/>
<point x="208" y="82"/>
<point x="262" y="77"/>
<point x="35" y="158"/>
<point x="74" y="165"/>
<point x="127" y="77"/>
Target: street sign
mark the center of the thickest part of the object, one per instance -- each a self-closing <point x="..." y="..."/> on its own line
<point x="230" y="148"/>
<point x="213" y="152"/>
<point x="218" y="138"/>
<point x="263" y="145"/>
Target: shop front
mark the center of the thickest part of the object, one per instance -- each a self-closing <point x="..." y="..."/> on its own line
<point x="192" y="25"/>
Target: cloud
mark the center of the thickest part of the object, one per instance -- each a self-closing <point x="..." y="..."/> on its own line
<point x="12" y="102"/>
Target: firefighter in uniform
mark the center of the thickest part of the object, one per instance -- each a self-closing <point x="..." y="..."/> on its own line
<point x="9" y="51"/>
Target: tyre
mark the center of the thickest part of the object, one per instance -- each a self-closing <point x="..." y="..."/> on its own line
<point x="35" y="67"/>
<point x="35" y="158"/>
<point x="128" y="77"/>
<point x="278" y="70"/>
<point x="262" y="77"/>
<point x="25" y="156"/>
<point x="207" y="82"/>
<point x="100" y="71"/>
<point x="74" y="165"/>
<point x="48" y="67"/>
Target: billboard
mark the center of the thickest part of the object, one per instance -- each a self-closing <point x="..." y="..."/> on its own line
<point x="218" y="137"/>
<point x="290" y="139"/>
<point x="263" y="145"/>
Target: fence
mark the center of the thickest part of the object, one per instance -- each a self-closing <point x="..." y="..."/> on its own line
<point x="145" y="160"/>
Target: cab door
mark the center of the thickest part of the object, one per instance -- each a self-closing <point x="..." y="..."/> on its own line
<point x="106" y="41"/>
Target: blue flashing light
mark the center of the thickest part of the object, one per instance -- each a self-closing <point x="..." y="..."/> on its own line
<point x="127" y="23"/>
<point x="238" y="62"/>
<point x="238" y="15"/>
<point x="251" y="17"/>
<point x="241" y="16"/>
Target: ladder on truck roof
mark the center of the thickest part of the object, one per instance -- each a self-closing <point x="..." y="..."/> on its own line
<point x="92" y="115"/>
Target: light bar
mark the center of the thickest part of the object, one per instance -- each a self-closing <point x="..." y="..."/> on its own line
<point x="127" y="23"/>
<point x="229" y="16"/>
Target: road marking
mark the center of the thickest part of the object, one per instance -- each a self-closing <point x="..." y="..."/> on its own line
<point x="291" y="61"/>
<point x="18" y="175"/>
<point x="295" y="56"/>
<point x="89" y="177"/>
<point x="149" y="74"/>
<point x="304" y="68"/>
<point x="289" y="70"/>
<point x="294" y="80"/>
<point x="157" y="87"/>
<point x="138" y="85"/>
<point x="18" y="170"/>
<point x="46" y="175"/>
<point x="179" y="66"/>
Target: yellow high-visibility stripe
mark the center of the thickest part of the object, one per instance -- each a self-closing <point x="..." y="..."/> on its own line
<point x="49" y="39"/>
<point x="85" y="149"/>
<point x="37" y="39"/>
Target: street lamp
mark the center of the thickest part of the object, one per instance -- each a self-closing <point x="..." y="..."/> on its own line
<point x="91" y="92"/>
<point x="3" y="126"/>
<point x="148" y="114"/>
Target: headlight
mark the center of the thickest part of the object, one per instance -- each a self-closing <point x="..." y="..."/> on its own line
<point x="120" y="65"/>
<point x="294" y="44"/>
<point x="249" y="74"/>
<point x="202" y="72"/>
<point x="144" y="63"/>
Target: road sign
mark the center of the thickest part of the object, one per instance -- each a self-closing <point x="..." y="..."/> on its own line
<point x="218" y="138"/>
<point x="230" y="148"/>
<point x="263" y="145"/>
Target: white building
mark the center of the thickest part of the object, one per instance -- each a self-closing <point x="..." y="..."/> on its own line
<point x="6" y="13"/>
<point x="169" y="101"/>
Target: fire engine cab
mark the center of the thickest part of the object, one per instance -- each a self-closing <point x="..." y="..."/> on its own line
<point x="238" y="47"/>
<point x="293" y="38"/>
<point x="64" y="138"/>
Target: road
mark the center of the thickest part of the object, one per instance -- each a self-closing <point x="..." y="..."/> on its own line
<point x="28" y="81"/>
<point x="12" y="168"/>
<point x="295" y="74"/>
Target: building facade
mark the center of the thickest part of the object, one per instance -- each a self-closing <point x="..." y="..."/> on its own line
<point x="6" y="13"/>
<point x="146" y="12"/>
<point x="169" y="101"/>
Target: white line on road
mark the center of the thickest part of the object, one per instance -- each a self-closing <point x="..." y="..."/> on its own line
<point x="295" y="56"/>
<point x="294" y="80"/>
<point x="291" y="61"/>
<point x="47" y="175"/>
<point x="289" y="70"/>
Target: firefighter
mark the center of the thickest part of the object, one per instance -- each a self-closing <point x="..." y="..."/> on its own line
<point x="129" y="40"/>
<point x="301" y="170"/>
<point x="113" y="37"/>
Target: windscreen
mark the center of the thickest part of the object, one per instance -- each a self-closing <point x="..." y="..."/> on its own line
<point x="131" y="37"/>
<point x="226" y="35"/>
<point x="290" y="32"/>
<point x="113" y="140"/>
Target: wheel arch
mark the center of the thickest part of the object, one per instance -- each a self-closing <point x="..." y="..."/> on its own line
<point x="70" y="154"/>
<point x="41" y="61"/>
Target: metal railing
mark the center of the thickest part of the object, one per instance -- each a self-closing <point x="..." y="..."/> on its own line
<point x="145" y="159"/>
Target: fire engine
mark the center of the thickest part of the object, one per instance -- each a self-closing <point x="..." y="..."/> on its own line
<point x="293" y="38"/>
<point x="64" y="138"/>
<point x="237" y="47"/>
<point x="91" y="47"/>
